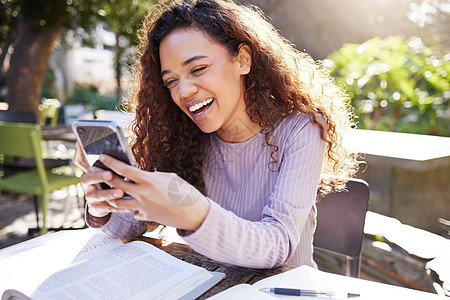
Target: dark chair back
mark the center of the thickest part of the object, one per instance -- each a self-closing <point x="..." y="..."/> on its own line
<point x="18" y="116"/>
<point x="340" y="223"/>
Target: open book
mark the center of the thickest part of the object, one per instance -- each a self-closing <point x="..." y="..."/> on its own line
<point x="89" y="265"/>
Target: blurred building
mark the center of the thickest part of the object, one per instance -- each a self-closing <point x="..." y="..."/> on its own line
<point x="88" y="64"/>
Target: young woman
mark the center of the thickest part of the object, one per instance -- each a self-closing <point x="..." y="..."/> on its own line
<point x="235" y="134"/>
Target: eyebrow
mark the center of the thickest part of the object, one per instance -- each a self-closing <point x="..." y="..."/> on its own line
<point x="186" y="62"/>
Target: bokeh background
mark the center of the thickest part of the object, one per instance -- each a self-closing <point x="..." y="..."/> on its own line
<point x="391" y="56"/>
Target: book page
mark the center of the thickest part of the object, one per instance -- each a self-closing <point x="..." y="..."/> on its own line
<point x="302" y="278"/>
<point x="136" y="270"/>
<point x="308" y="278"/>
<point x="242" y="291"/>
<point x="97" y="244"/>
<point x="14" y="295"/>
<point x="26" y="265"/>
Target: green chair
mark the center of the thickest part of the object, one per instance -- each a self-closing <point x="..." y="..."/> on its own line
<point x="50" y="110"/>
<point x="24" y="140"/>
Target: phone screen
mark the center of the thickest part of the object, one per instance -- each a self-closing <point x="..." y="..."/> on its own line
<point x="96" y="140"/>
<point x="100" y="139"/>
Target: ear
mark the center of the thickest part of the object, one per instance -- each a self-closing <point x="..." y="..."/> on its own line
<point x="244" y="58"/>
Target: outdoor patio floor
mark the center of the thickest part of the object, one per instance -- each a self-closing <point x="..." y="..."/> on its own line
<point x="17" y="214"/>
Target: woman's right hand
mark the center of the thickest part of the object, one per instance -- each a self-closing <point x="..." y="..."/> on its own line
<point x="96" y="199"/>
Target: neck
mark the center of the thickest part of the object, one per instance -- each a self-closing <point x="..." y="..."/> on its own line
<point x="240" y="130"/>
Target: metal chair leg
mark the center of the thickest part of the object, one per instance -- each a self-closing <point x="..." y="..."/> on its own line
<point x="36" y="210"/>
<point x="37" y="230"/>
<point x="353" y="266"/>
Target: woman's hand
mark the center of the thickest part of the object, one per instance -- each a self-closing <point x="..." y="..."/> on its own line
<point x="79" y="159"/>
<point x="97" y="200"/>
<point x="156" y="196"/>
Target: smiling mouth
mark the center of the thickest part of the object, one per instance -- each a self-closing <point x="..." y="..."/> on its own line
<point x="199" y="108"/>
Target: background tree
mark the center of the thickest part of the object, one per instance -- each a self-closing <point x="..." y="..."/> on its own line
<point x="124" y="18"/>
<point x="396" y="85"/>
<point x="39" y="24"/>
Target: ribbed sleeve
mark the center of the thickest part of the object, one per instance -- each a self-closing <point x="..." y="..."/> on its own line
<point x="119" y="225"/>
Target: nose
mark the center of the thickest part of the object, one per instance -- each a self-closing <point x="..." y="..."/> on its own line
<point x="186" y="88"/>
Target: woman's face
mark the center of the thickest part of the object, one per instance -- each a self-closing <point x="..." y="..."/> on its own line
<point x="206" y="82"/>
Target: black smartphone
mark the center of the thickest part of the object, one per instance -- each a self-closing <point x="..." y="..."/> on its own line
<point x="97" y="137"/>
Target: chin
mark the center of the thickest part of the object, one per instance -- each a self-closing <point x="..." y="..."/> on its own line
<point x="208" y="128"/>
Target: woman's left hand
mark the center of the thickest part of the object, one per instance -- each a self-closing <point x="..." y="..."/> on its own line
<point x="160" y="197"/>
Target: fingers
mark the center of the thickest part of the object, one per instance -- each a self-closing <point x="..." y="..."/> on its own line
<point x="79" y="159"/>
<point x="90" y="181"/>
<point x="122" y="205"/>
<point x="101" y="209"/>
<point x="102" y="202"/>
<point x="121" y="168"/>
<point x="98" y="195"/>
<point x="96" y="175"/>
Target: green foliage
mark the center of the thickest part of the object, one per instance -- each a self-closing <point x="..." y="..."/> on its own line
<point x="9" y="12"/>
<point x="66" y="14"/>
<point x="124" y="17"/>
<point x="91" y="99"/>
<point x="50" y="13"/>
<point x="395" y="85"/>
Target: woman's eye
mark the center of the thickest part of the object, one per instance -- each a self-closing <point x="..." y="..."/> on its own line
<point x="198" y="69"/>
<point x="170" y="82"/>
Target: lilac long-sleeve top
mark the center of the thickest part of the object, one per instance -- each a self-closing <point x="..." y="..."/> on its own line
<point x="261" y="214"/>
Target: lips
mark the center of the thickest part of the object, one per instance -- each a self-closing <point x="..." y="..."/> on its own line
<point x="200" y="110"/>
<point x="200" y="105"/>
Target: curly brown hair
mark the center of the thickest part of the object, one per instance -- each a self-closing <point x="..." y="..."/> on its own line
<point x="282" y="81"/>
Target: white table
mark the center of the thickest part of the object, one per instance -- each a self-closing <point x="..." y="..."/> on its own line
<point x="408" y="175"/>
<point x="25" y="265"/>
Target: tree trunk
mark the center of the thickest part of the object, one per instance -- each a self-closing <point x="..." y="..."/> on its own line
<point x="32" y="49"/>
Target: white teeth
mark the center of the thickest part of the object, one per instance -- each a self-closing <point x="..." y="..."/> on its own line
<point x="200" y="105"/>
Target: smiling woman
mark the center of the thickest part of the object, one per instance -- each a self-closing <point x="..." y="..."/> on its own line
<point x="235" y="133"/>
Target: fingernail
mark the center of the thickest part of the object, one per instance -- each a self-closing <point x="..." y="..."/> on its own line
<point x="106" y="175"/>
<point x="117" y="194"/>
<point x="101" y="157"/>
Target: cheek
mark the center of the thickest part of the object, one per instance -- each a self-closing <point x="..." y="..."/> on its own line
<point x="232" y="81"/>
<point x="174" y="98"/>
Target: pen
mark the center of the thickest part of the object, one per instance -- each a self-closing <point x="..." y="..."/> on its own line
<point x="299" y="292"/>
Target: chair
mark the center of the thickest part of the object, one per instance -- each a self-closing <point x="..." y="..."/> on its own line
<point x="13" y="163"/>
<point x="50" y="110"/>
<point x="340" y="223"/>
<point x="24" y="140"/>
